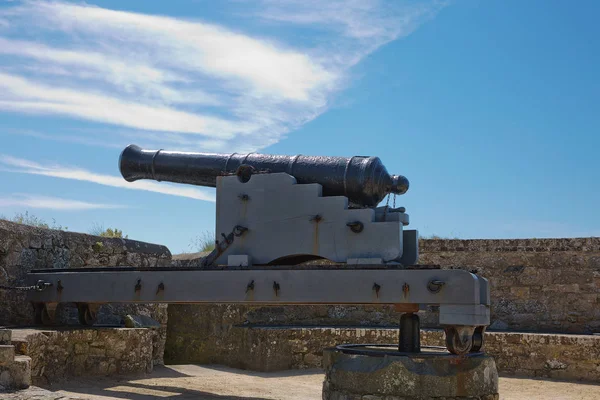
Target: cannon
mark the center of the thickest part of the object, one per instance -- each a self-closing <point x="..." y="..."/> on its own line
<point x="363" y="180"/>
<point x="292" y="208"/>
<point x="290" y="230"/>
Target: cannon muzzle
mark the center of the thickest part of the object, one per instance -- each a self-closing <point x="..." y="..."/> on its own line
<point x="364" y="180"/>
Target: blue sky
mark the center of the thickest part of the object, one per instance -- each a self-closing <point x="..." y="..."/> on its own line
<point x="490" y="108"/>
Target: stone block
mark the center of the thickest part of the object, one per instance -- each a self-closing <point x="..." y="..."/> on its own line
<point x="520" y="292"/>
<point x="140" y="321"/>
<point x="16" y="375"/>
<point x="415" y="376"/>
<point x="562" y="288"/>
<point x="62" y="353"/>
<point x="5" y="336"/>
<point x="24" y="247"/>
<point x="7" y="354"/>
<point x="312" y="360"/>
<point x="81" y="348"/>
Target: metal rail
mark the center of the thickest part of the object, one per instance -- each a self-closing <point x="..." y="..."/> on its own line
<point x="264" y="286"/>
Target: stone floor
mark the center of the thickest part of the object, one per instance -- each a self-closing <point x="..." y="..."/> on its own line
<point x="221" y="383"/>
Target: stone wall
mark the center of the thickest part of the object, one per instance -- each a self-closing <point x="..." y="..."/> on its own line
<point x="61" y="353"/>
<point x="260" y="348"/>
<point x="539" y="285"/>
<point x="23" y="248"/>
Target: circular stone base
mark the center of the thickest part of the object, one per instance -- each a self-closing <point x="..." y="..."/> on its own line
<point x="383" y="374"/>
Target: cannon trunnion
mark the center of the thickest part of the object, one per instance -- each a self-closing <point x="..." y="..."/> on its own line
<point x="273" y="213"/>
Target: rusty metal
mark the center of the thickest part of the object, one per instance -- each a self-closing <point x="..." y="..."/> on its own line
<point x="384" y="350"/>
<point x="478" y="339"/>
<point x="409" y="337"/>
<point x="435" y="285"/>
<point x="460" y="339"/>
<point x="160" y="288"/>
<point x="39" y="286"/>
<point x="406" y="289"/>
<point x="356" y="226"/>
<point x="406" y="307"/>
<point x="376" y="288"/>
<point x="364" y="180"/>
<point x="220" y="247"/>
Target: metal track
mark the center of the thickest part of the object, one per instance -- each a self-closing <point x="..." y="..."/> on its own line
<point x="324" y="267"/>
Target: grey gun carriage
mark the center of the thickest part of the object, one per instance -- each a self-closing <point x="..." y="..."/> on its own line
<point x="293" y="230"/>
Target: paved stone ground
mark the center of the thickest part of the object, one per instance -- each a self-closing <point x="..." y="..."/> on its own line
<point x="221" y="383"/>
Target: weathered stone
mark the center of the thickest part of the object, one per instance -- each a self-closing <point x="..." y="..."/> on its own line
<point x="412" y="376"/>
<point x="16" y="375"/>
<point x="270" y="348"/>
<point x="81" y="348"/>
<point x="528" y="281"/>
<point x="60" y="353"/>
<point x="312" y="360"/>
<point x="25" y="247"/>
<point x="7" y="354"/>
<point x="5" y="336"/>
<point x="521" y="292"/>
<point x="35" y="242"/>
<point x="499" y="325"/>
<point x="140" y="321"/>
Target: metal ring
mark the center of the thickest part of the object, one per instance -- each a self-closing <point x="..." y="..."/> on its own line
<point x="435" y="285"/>
<point x="152" y="165"/>
<point x="245" y="158"/>
<point x="346" y="173"/>
<point x="293" y="160"/>
<point x="361" y="349"/>
<point x="227" y="162"/>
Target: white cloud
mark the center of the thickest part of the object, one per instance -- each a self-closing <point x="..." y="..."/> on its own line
<point x="266" y="67"/>
<point x="20" y="165"/>
<point x="93" y="65"/>
<point x="53" y="203"/>
<point x="174" y="83"/>
<point x="359" y="19"/>
<point x="226" y="88"/>
<point x="20" y="94"/>
<point x="354" y="28"/>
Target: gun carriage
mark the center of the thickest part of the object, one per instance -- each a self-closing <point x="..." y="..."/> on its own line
<point x="292" y="230"/>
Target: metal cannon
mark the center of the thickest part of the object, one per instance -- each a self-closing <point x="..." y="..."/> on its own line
<point x="276" y="218"/>
<point x="363" y="180"/>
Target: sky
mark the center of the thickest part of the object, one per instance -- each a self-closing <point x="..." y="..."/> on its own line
<point x="490" y="108"/>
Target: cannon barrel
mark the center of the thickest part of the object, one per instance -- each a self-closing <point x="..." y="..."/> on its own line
<point x="364" y="180"/>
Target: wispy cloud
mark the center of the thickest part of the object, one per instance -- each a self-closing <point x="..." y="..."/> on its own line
<point x="357" y="27"/>
<point x="53" y="203"/>
<point x="20" y="165"/>
<point x="193" y="83"/>
<point x="24" y="95"/>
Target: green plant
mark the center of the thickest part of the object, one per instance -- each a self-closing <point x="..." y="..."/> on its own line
<point x="97" y="246"/>
<point x="204" y="242"/>
<point x="98" y="230"/>
<point x="32" y="220"/>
